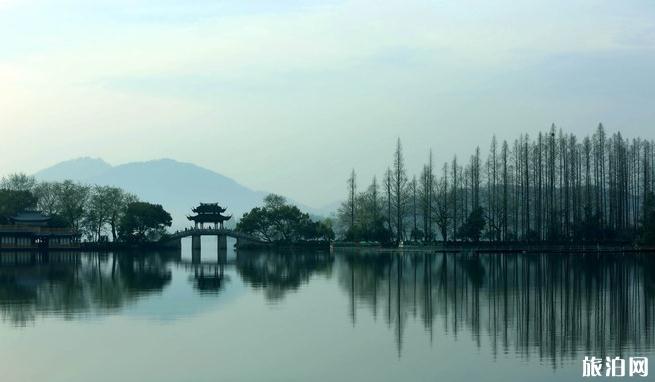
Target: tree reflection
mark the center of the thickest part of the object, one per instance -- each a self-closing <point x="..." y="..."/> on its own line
<point x="277" y="273"/>
<point x="556" y="307"/>
<point x="71" y="284"/>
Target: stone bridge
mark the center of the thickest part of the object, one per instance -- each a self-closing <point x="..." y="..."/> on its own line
<point x="243" y="240"/>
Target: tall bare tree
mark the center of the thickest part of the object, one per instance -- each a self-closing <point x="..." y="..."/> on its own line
<point x="399" y="189"/>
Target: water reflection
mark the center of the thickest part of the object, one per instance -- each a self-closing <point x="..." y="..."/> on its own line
<point x="207" y="270"/>
<point x="554" y="307"/>
<point x="277" y="273"/>
<point x="70" y="285"/>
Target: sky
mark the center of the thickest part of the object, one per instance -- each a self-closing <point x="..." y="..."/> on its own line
<point x="288" y="96"/>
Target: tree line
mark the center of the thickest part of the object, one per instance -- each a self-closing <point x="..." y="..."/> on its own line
<point x="96" y="212"/>
<point x="552" y="187"/>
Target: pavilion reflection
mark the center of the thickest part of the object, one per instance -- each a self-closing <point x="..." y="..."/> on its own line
<point x="207" y="274"/>
<point x="73" y="284"/>
<point x="549" y="306"/>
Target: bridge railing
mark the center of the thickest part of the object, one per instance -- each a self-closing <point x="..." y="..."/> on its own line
<point x="211" y="231"/>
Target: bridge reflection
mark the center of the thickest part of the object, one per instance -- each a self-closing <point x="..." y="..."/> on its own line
<point x="207" y="267"/>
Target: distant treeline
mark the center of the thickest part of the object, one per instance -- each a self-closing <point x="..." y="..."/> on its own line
<point x="95" y="212"/>
<point x="552" y="187"/>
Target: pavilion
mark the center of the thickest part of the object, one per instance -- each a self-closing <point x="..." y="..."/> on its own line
<point x="32" y="230"/>
<point x="209" y="213"/>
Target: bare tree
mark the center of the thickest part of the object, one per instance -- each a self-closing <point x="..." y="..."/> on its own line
<point x="399" y="189"/>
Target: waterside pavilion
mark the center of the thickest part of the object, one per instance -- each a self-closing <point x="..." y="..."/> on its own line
<point x="209" y="213"/>
<point x="30" y="230"/>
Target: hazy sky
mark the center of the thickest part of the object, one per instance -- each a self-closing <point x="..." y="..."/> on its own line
<point x="289" y="95"/>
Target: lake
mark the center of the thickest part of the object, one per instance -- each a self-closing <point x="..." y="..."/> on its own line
<point x="317" y="316"/>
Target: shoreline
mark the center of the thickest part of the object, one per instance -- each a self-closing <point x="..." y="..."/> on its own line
<point x="499" y="248"/>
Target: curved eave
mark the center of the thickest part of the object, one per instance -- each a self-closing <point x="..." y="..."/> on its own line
<point x="27" y="220"/>
<point x="208" y="218"/>
<point x="208" y="209"/>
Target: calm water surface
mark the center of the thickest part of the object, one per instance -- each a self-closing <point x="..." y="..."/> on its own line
<point x="315" y="316"/>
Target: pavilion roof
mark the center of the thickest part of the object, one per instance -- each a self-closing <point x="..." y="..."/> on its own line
<point x="30" y="217"/>
<point x="209" y="208"/>
<point x="209" y="218"/>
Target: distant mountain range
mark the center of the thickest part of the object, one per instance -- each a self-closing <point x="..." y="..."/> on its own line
<point x="178" y="186"/>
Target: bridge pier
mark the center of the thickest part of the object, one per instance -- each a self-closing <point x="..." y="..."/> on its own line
<point x="221" y="252"/>
<point x="222" y="243"/>
<point x="195" y="242"/>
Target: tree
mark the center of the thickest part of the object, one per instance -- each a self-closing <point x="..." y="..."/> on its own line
<point x="13" y="202"/>
<point x="554" y="187"/>
<point x="118" y="201"/>
<point x="278" y="221"/>
<point x="352" y="190"/>
<point x="275" y="201"/>
<point x="455" y="200"/>
<point x="143" y="222"/>
<point x="475" y="178"/>
<point x="374" y="207"/>
<point x="442" y="212"/>
<point x="256" y="222"/>
<point x="472" y="228"/>
<point x="346" y="212"/>
<point x="47" y="194"/>
<point x="317" y="230"/>
<point x="648" y="225"/>
<point x="505" y="178"/>
<point x="97" y="211"/>
<point x="369" y="224"/>
<point x="425" y="193"/>
<point x="429" y="191"/>
<point x="413" y="189"/>
<point x="105" y="206"/>
<point x="387" y="187"/>
<point x="376" y="230"/>
<point x="399" y="189"/>
<point x="71" y="202"/>
<point x="18" y="182"/>
<point x="492" y="187"/>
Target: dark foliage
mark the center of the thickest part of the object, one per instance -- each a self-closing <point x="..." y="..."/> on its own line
<point x="648" y="227"/>
<point x="472" y="228"/>
<point x="278" y="221"/>
<point x="143" y="222"/>
<point x="13" y="201"/>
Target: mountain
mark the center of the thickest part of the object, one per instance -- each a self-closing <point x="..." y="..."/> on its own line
<point x="75" y="169"/>
<point x="177" y="186"/>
